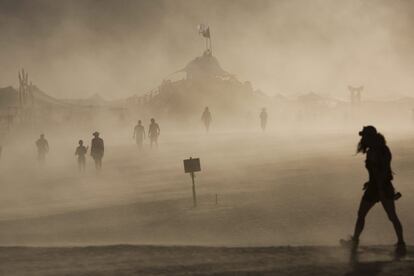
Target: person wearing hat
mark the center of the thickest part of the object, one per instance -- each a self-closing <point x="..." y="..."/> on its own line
<point x="97" y="150"/>
<point x="379" y="187"/>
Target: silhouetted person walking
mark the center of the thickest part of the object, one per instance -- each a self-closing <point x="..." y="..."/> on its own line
<point x="81" y="151"/>
<point x="42" y="148"/>
<point x="97" y="150"/>
<point x="153" y="132"/>
<point x="206" y="118"/>
<point x="139" y="134"/>
<point x="379" y="187"/>
<point x="263" y="119"/>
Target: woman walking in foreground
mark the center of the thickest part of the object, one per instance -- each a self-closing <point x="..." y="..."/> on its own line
<point x="379" y="187"/>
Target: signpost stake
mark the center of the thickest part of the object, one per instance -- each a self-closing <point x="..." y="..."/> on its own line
<point x="194" y="191"/>
<point x="192" y="165"/>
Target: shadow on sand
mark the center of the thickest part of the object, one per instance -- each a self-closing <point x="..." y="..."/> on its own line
<point x="370" y="268"/>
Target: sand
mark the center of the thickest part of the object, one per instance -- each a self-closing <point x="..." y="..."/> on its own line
<point x="158" y="260"/>
<point x="272" y="189"/>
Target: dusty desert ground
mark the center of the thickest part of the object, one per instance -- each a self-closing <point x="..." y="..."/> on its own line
<point x="274" y="189"/>
<point x="158" y="260"/>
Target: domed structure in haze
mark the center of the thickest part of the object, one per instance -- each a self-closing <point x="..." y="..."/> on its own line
<point x="206" y="84"/>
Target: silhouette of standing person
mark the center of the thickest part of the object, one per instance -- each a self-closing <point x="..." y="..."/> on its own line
<point x="97" y="150"/>
<point x="153" y="132"/>
<point x="81" y="151"/>
<point x="379" y="187"/>
<point x="42" y="149"/>
<point x="139" y="134"/>
<point x="263" y="119"/>
<point x="206" y="118"/>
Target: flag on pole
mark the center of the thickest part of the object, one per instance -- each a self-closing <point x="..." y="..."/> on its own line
<point x="204" y="30"/>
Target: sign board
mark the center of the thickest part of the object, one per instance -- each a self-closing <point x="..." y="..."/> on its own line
<point x="192" y="165"/>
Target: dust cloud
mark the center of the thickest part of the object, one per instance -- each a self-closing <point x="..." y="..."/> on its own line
<point x="103" y="65"/>
<point x="79" y="48"/>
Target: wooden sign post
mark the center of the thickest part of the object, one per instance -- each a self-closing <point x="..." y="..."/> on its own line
<point x="191" y="166"/>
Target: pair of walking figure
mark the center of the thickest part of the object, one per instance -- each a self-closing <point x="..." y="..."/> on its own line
<point x="379" y="187"/>
<point x="97" y="152"/>
<point x="206" y="118"/>
<point x="153" y="133"/>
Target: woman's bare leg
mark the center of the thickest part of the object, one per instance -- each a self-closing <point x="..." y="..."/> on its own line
<point x="363" y="210"/>
<point x="389" y="207"/>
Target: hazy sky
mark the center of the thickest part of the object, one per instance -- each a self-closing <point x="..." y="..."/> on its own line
<point x="117" y="48"/>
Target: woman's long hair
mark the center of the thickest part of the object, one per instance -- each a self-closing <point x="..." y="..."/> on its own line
<point x="369" y="141"/>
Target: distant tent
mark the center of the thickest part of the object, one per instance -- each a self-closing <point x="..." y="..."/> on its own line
<point x="310" y="97"/>
<point x="8" y="97"/>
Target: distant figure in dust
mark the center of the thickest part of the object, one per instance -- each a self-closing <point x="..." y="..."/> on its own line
<point x="379" y="187"/>
<point x="263" y="119"/>
<point x="153" y="132"/>
<point x="206" y="118"/>
<point x="139" y="134"/>
<point x="97" y="150"/>
<point x="42" y="149"/>
<point x="81" y="151"/>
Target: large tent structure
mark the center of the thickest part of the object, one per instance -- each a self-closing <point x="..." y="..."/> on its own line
<point x="206" y="84"/>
